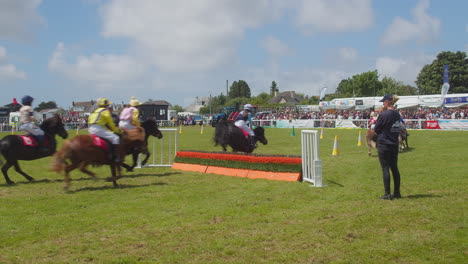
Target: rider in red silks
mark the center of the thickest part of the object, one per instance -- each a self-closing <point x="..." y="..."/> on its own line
<point x="28" y="121"/>
<point x="241" y="122"/>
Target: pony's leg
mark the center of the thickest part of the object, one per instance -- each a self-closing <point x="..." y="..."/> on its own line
<point x="83" y="168"/>
<point x="127" y="167"/>
<point x="5" y="169"/>
<point x="18" y="169"/>
<point x="67" y="170"/>
<point x="114" y="177"/>
<point x="146" y="158"/>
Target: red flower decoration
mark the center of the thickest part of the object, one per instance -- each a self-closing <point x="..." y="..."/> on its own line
<point x="244" y="158"/>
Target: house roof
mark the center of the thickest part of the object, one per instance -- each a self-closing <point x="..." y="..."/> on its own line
<point x="88" y="106"/>
<point x="156" y="102"/>
<point x="50" y="110"/>
<point x="87" y="103"/>
<point x="285" y="97"/>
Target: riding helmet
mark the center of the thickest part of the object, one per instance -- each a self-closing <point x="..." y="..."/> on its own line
<point x="27" y="100"/>
<point x="104" y="102"/>
<point x="248" y="107"/>
<point x="134" y="102"/>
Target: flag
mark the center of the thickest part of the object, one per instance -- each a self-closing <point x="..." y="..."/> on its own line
<point x="322" y="93"/>
<point x="14" y="101"/>
<point x="446" y="85"/>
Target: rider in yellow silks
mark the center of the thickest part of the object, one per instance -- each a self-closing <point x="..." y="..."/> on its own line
<point x="101" y="124"/>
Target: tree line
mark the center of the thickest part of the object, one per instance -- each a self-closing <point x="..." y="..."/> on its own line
<point x="367" y="84"/>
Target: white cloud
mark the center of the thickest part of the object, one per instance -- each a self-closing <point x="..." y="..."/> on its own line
<point x="403" y="69"/>
<point x="102" y="70"/>
<point x="182" y="35"/>
<point x="347" y="53"/>
<point x="275" y="47"/>
<point x="3" y="53"/>
<point x="335" y="15"/>
<point x="308" y="81"/>
<point x="424" y="28"/>
<point x="9" y="72"/>
<point x="17" y="17"/>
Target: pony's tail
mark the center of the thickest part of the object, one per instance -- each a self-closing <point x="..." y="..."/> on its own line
<point x="60" y="157"/>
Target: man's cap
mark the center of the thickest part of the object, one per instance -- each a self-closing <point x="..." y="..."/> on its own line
<point x="387" y="97"/>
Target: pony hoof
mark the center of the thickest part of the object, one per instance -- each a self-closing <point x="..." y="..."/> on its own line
<point x="30" y="179"/>
<point x="11" y="182"/>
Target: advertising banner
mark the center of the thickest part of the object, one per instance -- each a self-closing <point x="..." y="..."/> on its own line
<point x="432" y="124"/>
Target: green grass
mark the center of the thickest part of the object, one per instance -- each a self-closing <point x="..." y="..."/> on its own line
<point x="160" y="215"/>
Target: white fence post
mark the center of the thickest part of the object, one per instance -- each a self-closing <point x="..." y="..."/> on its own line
<point x="311" y="163"/>
<point x="167" y="149"/>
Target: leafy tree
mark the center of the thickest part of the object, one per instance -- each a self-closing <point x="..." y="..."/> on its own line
<point x="430" y="78"/>
<point x="392" y="86"/>
<point x="261" y="99"/>
<point x="274" y="88"/>
<point x="239" y="89"/>
<point x="238" y="102"/>
<point x="215" y="105"/>
<point x="44" y="105"/>
<point x="178" y="108"/>
<point x="313" y="100"/>
<point x="364" y="84"/>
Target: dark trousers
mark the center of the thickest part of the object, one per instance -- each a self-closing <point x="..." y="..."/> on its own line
<point x="388" y="157"/>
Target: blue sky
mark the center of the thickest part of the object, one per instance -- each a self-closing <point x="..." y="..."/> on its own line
<point x="175" y="50"/>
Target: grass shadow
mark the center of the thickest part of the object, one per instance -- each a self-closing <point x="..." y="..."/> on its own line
<point x="407" y="150"/>
<point x="420" y="196"/>
<point x="150" y="174"/>
<point x="334" y="183"/>
<point x="110" y="187"/>
<point x="31" y="182"/>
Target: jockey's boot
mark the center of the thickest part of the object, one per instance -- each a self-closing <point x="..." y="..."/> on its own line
<point x="252" y="142"/>
<point x="41" y="143"/>
<point x="117" y="154"/>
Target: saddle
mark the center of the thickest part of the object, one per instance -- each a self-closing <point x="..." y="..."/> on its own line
<point x="33" y="141"/>
<point x="137" y="133"/>
<point x="29" y="140"/>
<point x="101" y="142"/>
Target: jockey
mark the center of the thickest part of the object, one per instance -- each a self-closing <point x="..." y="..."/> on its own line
<point x="372" y="120"/>
<point x="28" y="121"/>
<point x="241" y="122"/>
<point x="129" y="116"/>
<point x="101" y="124"/>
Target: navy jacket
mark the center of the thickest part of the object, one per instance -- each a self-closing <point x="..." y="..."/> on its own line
<point x="388" y="127"/>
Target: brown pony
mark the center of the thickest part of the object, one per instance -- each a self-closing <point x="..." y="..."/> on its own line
<point x="80" y="151"/>
<point x="371" y="140"/>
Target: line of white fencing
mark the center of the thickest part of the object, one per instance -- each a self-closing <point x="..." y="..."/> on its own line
<point x="163" y="150"/>
<point x="311" y="163"/>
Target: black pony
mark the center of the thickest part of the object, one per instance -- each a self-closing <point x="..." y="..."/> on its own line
<point x="13" y="149"/>
<point x="227" y="133"/>
<point x="151" y="129"/>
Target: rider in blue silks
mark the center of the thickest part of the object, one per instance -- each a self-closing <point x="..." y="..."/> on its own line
<point x="241" y="122"/>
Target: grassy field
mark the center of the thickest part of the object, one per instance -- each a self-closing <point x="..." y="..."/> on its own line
<point x="160" y="215"/>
